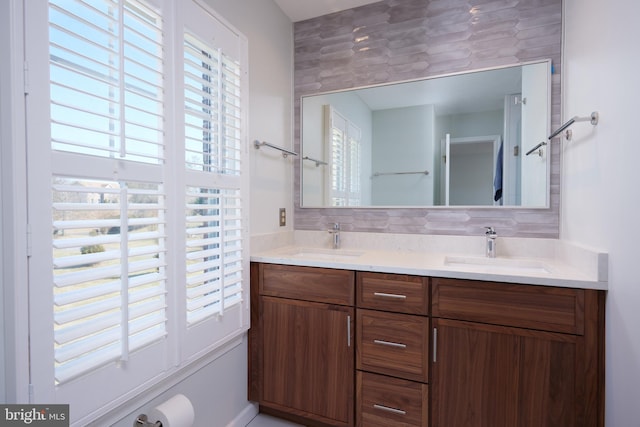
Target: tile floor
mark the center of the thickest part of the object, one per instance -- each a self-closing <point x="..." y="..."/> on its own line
<point x="263" y="420"/>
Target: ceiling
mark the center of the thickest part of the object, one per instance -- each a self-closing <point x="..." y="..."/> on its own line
<point x="299" y="10"/>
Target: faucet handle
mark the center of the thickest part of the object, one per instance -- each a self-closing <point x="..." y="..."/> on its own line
<point x="491" y="232"/>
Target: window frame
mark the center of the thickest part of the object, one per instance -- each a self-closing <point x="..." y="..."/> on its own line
<point x="184" y="351"/>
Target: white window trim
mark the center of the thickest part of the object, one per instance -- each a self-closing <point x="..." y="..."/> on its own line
<point x="179" y="366"/>
<point x="13" y="191"/>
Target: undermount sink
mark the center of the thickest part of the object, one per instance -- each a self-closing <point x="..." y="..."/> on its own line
<point x="497" y="264"/>
<point x="324" y="253"/>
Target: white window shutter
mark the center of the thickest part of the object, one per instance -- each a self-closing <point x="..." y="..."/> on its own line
<point x="216" y="272"/>
<point x="344" y="149"/>
<point x="112" y="302"/>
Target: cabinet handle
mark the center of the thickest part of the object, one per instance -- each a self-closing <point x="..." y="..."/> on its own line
<point x="392" y="296"/>
<point x="435" y="343"/>
<point x="390" y="344"/>
<point x="348" y="330"/>
<point x="388" y="409"/>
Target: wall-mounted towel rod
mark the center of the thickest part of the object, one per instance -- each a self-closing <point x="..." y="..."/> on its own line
<point x="593" y="119"/>
<point x="399" y="173"/>
<point x="543" y="143"/>
<point x="316" y="161"/>
<point x="285" y="152"/>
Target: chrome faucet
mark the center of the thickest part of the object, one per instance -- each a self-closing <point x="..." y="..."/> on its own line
<point x="336" y="235"/>
<point x="491" y="242"/>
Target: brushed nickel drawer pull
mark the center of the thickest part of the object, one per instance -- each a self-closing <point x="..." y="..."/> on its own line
<point x="390" y="344"/>
<point x="435" y="344"/>
<point x="392" y="296"/>
<point x="348" y="331"/>
<point x="388" y="409"/>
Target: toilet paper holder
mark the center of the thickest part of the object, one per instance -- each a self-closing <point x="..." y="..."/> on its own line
<point x="143" y="421"/>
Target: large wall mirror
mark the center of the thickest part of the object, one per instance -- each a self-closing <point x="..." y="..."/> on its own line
<point x="454" y="140"/>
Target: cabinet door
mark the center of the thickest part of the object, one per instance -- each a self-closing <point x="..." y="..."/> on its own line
<point x="494" y="376"/>
<point x="308" y="353"/>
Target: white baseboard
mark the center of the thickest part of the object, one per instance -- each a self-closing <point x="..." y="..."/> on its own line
<point x="245" y="416"/>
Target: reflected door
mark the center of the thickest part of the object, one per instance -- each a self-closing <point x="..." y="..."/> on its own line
<point x="470" y="168"/>
<point x="535" y="107"/>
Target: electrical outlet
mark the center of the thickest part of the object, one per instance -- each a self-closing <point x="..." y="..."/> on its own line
<point x="283" y="217"/>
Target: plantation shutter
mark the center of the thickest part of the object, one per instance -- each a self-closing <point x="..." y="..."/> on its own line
<point x="109" y="272"/>
<point x="354" y="137"/>
<point x="106" y="71"/>
<point x="108" y="236"/>
<point x="115" y="306"/>
<point x="215" y="214"/>
<point x="344" y="153"/>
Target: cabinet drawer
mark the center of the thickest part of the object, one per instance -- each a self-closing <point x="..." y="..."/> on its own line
<point x="393" y="292"/>
<point x="390" y="402"/>
<point x="524" y="306"/>
<point x="307" y="283"/>
<point x="393" y="344"/>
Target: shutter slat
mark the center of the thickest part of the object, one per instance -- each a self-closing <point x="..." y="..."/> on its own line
<point x="202" y="218"/>
<point x="90" y="275"/>
<point x="136" y="266"/>
<point x="203" y="230"/>
<point x="198" y="280"/>
<point x="196" y="316"/>
<point x="86" y="293"/>
<point x="203" y="301"/>
<point x="146" y="279"/>
<point x="147" y="337"/>
<point x="203" y="288"/>
<point x="68" y="333"/>
<point x="69" y="371"/>
<point x="203" y="242"/>
<point x="87" y="310"/>
<point x="85" y="259"/>
<point x="202" y="266"/>
<point x="151" y="306"/>
<point x="87" y="345"/>
<point x="86" y="241"/>
<point x="195" y="255"/>
<point x="145" y="322"/>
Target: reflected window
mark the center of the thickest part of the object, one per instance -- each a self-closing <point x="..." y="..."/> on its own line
<point x="345" y="140"/>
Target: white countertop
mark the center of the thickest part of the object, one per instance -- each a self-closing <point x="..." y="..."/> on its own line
<point x="564" y="267"/>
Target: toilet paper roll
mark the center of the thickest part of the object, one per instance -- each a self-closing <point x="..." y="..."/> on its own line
<point x="175" y="412"/>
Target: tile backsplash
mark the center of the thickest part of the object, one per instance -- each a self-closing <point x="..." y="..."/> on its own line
<point x="410" y="39"/>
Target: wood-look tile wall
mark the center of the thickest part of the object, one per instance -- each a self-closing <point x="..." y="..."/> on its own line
<point x="409" y="39"/>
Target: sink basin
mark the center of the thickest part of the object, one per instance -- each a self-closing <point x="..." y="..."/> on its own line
<point x="317" y="253"/>
<point x="502" y="265"/>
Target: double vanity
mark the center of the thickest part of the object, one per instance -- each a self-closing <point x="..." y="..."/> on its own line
<point x="428" y="331"/>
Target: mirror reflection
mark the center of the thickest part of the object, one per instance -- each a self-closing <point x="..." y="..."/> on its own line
<point x="456" y="140"/>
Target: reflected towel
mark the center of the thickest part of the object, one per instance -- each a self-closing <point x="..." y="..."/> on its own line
<point x="497" y="180"/>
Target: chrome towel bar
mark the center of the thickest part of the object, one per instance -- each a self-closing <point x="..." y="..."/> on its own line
<point x="317" y="162"/>
<point x="593" y="119"/>
<point x="285" y="152"/>
<point x="399" y="173"/>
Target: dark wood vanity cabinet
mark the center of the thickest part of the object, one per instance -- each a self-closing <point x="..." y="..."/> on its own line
<point x="302" y="343"/>
<point x="516" y="355"/>
<point x="341" y="348"/>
